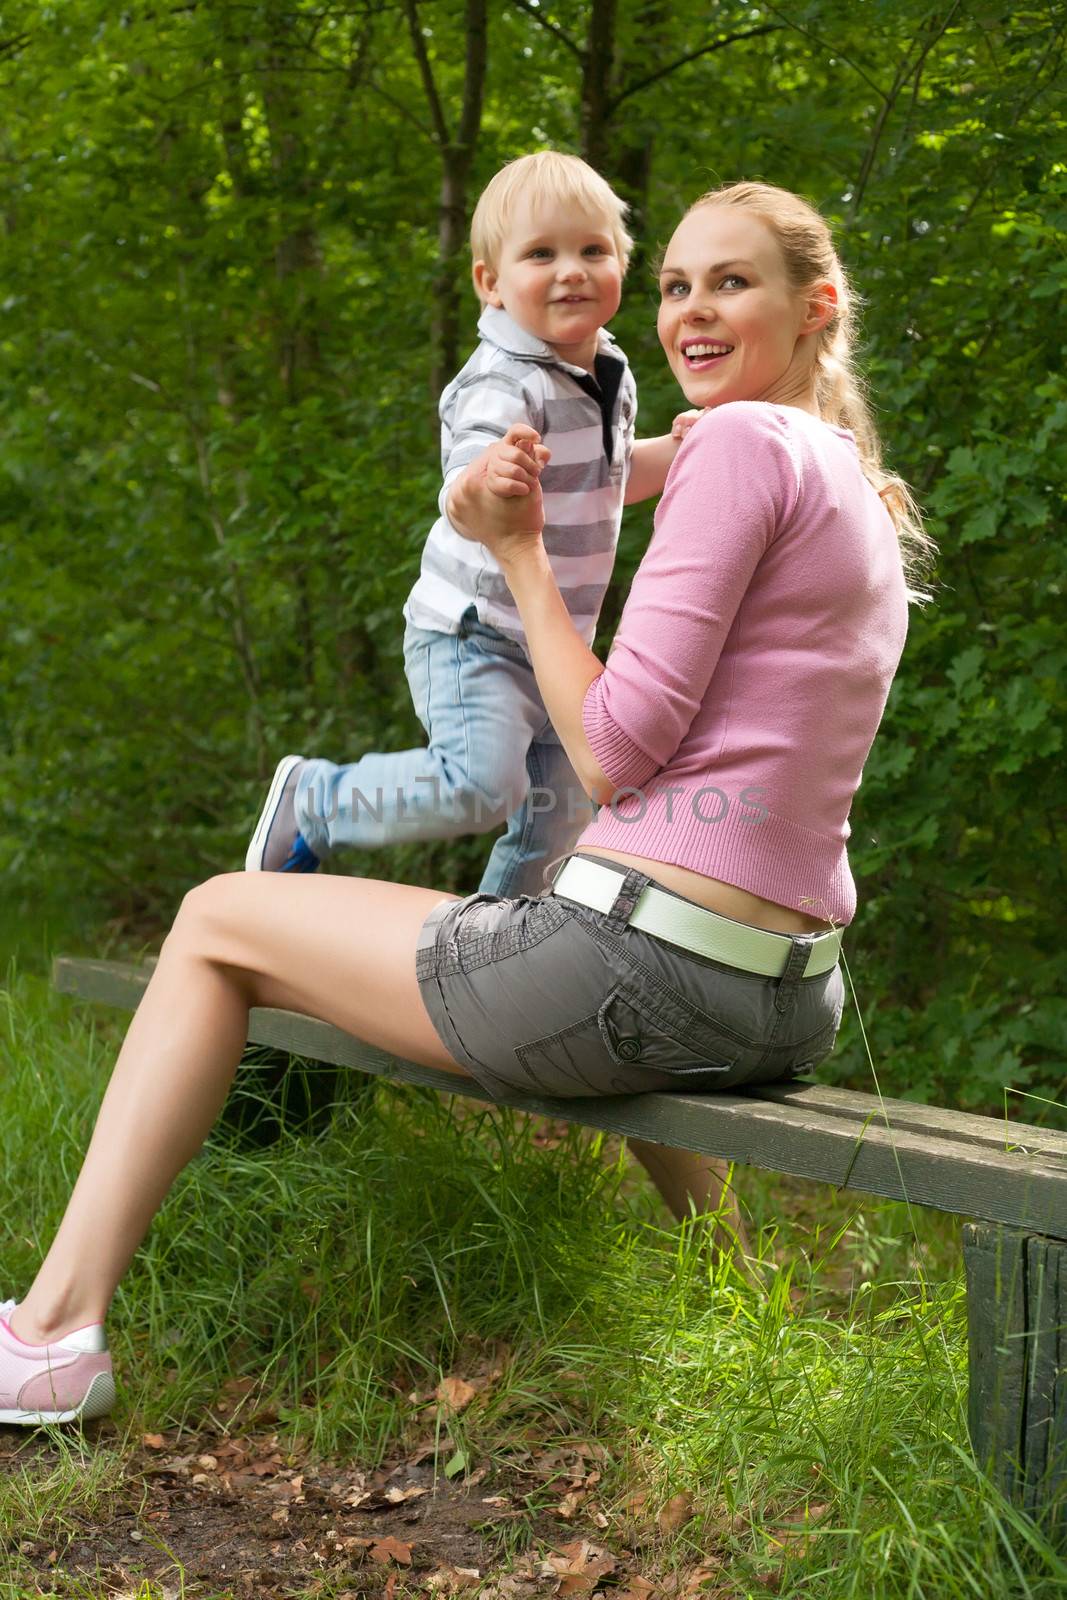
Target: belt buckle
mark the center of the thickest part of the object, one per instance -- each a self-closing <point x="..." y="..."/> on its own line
<point x="815" y="941"/>
<point x="550" y="887"/>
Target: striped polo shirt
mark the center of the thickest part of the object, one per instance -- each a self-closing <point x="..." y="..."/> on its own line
<point x="586" y="421"/>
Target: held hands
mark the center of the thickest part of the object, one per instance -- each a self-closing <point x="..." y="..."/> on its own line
<point x="497" y="501"/>
<point x="513" y="467"/>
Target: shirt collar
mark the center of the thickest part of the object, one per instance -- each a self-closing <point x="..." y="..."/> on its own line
<point x="495" y="326"/>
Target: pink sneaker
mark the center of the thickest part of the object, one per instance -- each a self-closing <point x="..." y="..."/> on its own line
<point x="67" y="1381"/>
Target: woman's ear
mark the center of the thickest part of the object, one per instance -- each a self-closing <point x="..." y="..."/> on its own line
<point x="820" y="306"/>
<point x="485" y="284"/>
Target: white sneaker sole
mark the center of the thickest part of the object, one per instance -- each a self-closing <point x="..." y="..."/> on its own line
<point x="99" y="1399"/>
<point x="256" y="850"/>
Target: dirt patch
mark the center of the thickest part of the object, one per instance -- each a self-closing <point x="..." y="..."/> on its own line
<point x="249" y="1517"/>
<point x="216" y="1516"/>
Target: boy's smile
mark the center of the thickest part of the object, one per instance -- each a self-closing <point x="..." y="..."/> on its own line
<point x="559" y="277"/>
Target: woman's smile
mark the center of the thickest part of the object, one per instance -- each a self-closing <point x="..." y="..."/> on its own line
<point x="732" y="325"/>
<point x="700" y="355"/>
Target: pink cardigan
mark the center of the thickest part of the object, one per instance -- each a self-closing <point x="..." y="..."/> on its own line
<point x="753" y="660"/>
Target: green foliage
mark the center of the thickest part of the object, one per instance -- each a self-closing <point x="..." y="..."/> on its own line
<point x="815" y="1416"/>
<point x="218" y="452"/>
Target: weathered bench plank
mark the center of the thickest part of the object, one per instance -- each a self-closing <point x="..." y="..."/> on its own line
<point x="1017" y="1328"/>
<point x="831" y="1136"/>
<point x="997" y="1133"/>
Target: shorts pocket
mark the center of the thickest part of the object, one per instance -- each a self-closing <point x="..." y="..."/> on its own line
<point x="641" y="1031"/>
<point x="624" y="1048"/>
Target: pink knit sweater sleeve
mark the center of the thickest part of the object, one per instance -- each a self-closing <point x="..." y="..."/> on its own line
<point x="733" y="484"/>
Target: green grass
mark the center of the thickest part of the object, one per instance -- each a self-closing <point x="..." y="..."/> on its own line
<point x="816" y="1417"/>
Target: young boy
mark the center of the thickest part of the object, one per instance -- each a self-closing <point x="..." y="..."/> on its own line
<point x="549" y="252"/>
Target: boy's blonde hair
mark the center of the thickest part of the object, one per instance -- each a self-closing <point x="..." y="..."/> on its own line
<point x="810" y="256"/>
<point x="545" y="175"/>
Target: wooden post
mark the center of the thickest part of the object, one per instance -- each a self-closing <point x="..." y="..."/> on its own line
<point x="1017" y="1325"/>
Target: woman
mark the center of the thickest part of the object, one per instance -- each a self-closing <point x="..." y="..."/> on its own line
<point x="693" y="941"/>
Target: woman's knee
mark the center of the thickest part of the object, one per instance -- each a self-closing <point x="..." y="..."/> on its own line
<point x="206" y="915"/>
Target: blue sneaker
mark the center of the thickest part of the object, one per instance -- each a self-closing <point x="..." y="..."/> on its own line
<point x="277" y="844"/>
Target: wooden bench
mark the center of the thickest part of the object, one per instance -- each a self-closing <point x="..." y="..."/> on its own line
<point x="1010" y="1177"/>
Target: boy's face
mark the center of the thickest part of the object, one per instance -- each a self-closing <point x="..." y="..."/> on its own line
<point x="559" y="276"/>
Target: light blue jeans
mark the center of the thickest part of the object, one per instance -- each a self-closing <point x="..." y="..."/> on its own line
<point x="493" y="757"/>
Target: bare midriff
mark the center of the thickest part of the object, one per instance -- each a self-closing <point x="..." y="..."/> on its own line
<point x="725" y="898"/>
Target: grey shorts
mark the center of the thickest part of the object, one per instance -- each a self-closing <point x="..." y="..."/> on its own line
<point x="547" y="997"/>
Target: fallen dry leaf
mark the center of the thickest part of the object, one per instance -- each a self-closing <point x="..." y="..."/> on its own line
<point x="695" y="1581"/>
<point x="802" y="1519"/>
<point x="396" y="1496"/>
<point x="794" y="1537"/>
<point x="456" y="1392"/>
<point x="288" y="1488"/>
<point x="579" y="1567"/>
<point x="389" y="1549"/>
<point x="676" y="1513"/>
<point x="452" y="1580"/>
<point x="568" y="1506"/>
<point x="637" y="1588"/>
<point x="429" y="1448"/>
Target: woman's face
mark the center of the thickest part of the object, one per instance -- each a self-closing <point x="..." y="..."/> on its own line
<point x="729" y="321"/>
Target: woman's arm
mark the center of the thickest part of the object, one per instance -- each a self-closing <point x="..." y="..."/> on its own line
<point x="498" y="502"/>
<point x="563" y="663"/>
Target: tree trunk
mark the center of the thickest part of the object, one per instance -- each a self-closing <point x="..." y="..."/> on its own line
<point x="457" y="158"/>
<point x="632" y="140"/>
<point x="598" y="60"/>
<point x="449" y="279"/>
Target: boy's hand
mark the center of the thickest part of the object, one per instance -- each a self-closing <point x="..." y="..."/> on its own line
<point x="513" y="465"/>
<point x="497" y="500"/>
<point x="683" y="422"/>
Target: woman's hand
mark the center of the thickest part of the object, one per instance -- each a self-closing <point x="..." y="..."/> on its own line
<point x="497" y="500"/>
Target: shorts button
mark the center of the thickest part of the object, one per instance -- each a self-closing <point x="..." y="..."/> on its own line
<point x="628" y="1049"/>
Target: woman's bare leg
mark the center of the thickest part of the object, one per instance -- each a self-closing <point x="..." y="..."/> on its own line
<point x="690" y="1182"/>
<point x="341" y="949"/>
<point x="337" y="948"/>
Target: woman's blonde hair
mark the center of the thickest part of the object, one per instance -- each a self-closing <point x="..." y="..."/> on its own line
<point x="807" y="247"/>
<point x="547" y="175"/>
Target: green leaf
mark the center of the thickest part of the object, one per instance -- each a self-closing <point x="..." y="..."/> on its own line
<point x="982" y="525"/>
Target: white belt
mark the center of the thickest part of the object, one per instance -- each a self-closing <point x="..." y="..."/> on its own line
<point x="691" y="927"/>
